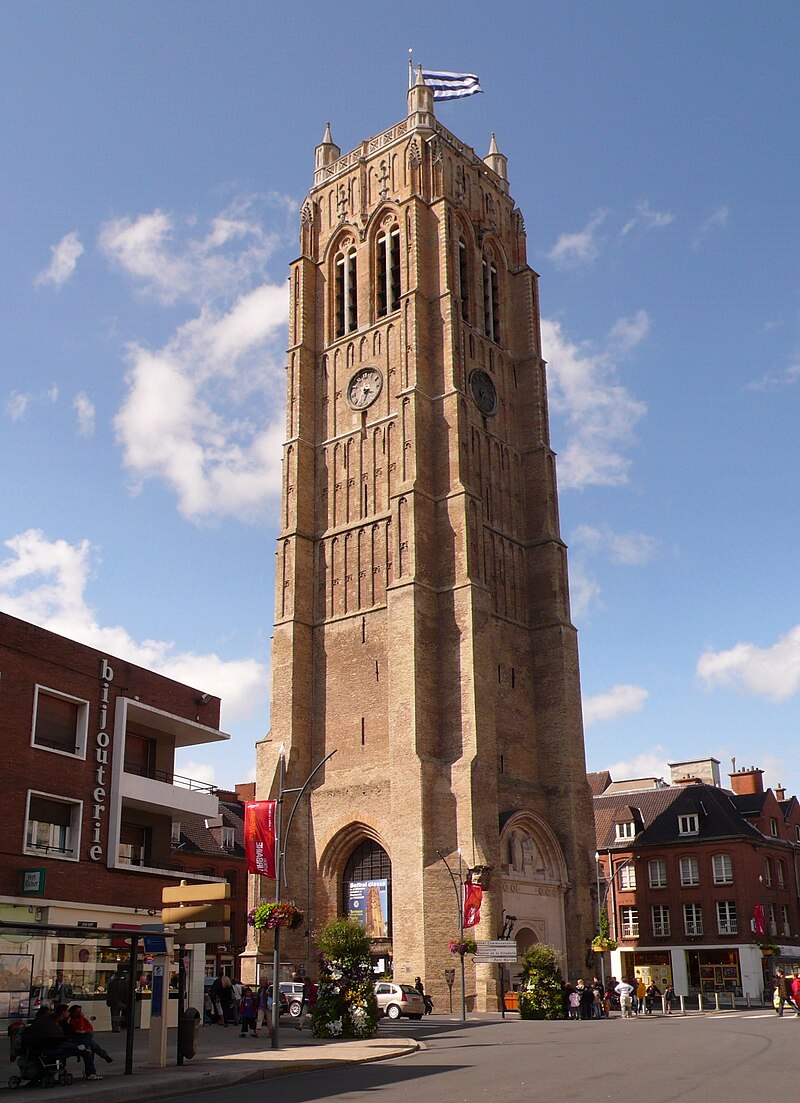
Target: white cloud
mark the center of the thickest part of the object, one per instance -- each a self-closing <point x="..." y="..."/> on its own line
<point x="44" y="582"/>
<point x="627" y="333"/>
<point x="17" y="404"/>
<point x="617" y="702"/>
<point x="581" y="247"/>
<point x="771" y="672"/>
<point x="204" y="413"/>
<point x="84" y="409"/>
<point x="718" y="219"/>
<point x="64" y="260"/>
<point x="628" y="549"/>
<point x="198" y="412"/>
<point x="599" y="413"/>
<point x="171" y="265"/>
<point x="650" y="763"/>
<point x="647" y="219"/>
<point x="584" y="591"/>
<point x="788" y="377"/>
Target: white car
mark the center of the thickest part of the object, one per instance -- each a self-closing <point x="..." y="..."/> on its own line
<point x="395" y="1000"/>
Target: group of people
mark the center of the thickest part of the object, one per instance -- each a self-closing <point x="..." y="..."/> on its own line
<point x="229" y="1002"/>
<point x="595" y="1000"/>
<point x="62" y="1032"/>
<point x="787" y="990"/>
<point x="638" y="998"/>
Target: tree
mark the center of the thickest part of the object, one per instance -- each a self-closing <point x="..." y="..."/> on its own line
<point x="346" y="1006"/>
<point x="541" y="995"/>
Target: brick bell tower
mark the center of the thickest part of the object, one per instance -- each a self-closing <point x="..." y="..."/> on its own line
<point x="422" y="624"/>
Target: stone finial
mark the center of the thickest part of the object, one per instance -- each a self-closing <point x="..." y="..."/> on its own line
<point x="496" y="160"/>
<point x="327" y="151"/>
<point x="420" y="96"/>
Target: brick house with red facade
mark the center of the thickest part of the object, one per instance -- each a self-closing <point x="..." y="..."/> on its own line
<point x="92" y="798"/>
<point x="699" y="883"/>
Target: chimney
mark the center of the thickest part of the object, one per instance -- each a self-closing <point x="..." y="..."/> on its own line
<point x="246" y="790"/>
<point x="748" y="780"/>
<point x="780" y="793"/>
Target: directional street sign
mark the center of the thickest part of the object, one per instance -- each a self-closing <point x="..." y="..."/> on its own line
<point x="187" y="936"/>
<point x="197" y="913"/>
<point x="496" y="952"/>
<point x="196" y="903"/>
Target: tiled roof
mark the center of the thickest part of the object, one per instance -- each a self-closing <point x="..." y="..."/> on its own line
<point x="599" y="782"/>
<point x="659" y="810"/>
<point x="198" y="838"/>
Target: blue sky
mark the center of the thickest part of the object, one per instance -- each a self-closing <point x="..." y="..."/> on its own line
<point x="154" y="157"/>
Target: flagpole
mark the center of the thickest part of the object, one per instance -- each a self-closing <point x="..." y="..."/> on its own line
<point x="410" y="67"/>
<point x="458" y="886"/>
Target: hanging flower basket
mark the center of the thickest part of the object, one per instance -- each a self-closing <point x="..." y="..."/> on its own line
<point x="463" y="946"/>
<point x="602" y="943"/>
<point x="768" y="948"/>
<point x="266" y="917"/>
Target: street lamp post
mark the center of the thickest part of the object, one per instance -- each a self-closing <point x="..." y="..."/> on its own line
<point x="281" y="840"/>
<point x="601" y="902"/>
<point x="458" y="886"/>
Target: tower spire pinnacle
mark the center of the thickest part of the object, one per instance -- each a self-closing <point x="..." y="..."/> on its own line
<point x="327" y="151"/>
<point x="497" y="161"/>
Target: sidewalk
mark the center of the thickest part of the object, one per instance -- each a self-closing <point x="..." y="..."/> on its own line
<point x="223" y="1059"/>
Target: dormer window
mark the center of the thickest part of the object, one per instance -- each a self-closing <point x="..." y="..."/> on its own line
<point x="228" y="838"/>
<point x="625" y="830"/>
<point x="689" y="825"/>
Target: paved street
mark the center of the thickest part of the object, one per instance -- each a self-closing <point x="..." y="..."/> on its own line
<point x="730" y="1056"/>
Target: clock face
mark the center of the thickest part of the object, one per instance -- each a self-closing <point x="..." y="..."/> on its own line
<point x="483" y="391"/>
<point x="364" y="388"/>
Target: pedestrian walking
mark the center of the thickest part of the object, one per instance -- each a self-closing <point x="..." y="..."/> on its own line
<point x="625" y="992"/>
<point x="781" y="993"/>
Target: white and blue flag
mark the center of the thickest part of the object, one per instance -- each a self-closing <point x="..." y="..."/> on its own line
<point x="451" y="86"/>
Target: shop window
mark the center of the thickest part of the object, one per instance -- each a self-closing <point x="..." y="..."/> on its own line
<point x="53" y="826"/>
<point x="690" y="871"/>
<point x="134" y="845"/>
<point x="723" y="869"/>
<point x="693" y="919"/>
<point x="388" y="271"/>
<point x="627" y="877"/>
<point x="657" y="873"/>
<point x="726" y="917"/>
<point x="60" y="723"/>
<point x="629" y="920"/>
<point x="660" y="917"/>
<point x="689" y="825"/>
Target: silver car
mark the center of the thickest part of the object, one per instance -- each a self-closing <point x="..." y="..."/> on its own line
<point x="395" y="1000"/>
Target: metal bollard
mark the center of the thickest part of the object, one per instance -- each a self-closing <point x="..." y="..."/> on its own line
<point x="699" y="1001"/>
<point x="716" y="1001"/>
<point x="683" y="1004"/>
<point x="747" y="1001"/>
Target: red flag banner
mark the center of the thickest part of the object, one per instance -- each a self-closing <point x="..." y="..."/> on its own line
<point x="259" y="836"/>
<point x="473" y="894"/>
<point x="759" y="920"/>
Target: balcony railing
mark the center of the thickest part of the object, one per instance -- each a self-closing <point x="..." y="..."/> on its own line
<point x="170" y="779"/>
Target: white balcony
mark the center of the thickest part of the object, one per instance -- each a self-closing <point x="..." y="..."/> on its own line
<point x="168" y="796"/>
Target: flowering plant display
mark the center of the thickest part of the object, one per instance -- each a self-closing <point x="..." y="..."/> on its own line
<point x="540" y="994"/>
<point x="602" y="942"/>
<point x="463" y="946"/>
<point x="268" y="916"/>
<point x="346" y="1006"/>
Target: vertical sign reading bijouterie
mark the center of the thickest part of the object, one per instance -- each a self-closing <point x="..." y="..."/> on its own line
<point x="102" y="741"/>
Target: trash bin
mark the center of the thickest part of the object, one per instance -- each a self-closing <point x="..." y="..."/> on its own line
<point x="188" y="1026"/>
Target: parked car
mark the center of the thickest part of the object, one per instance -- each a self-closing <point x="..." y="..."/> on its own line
<point x="395" y="1000"/>
<point x="293" y="991"/>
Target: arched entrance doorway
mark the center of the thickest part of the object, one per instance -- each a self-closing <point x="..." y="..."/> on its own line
<point x="358" y="873"/>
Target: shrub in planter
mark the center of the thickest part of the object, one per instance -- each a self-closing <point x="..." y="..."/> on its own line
<point x="540" y="995"/>
<point x="346" y="1006"/>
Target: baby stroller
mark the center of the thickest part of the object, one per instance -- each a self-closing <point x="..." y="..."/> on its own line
<point x="41" y="1071"/>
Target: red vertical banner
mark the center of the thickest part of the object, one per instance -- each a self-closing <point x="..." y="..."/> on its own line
<point x="759" y="920"/>
<point x="473" y="894"/>
<point x="259" y="836"/>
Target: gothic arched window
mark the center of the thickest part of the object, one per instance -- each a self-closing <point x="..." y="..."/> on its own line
<point x="463" y="278"/>
<point x="367" y="888"/>
<point x="345" y="292"/>
<point x="491" y="300"/>
<point x="388" y="271"/>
